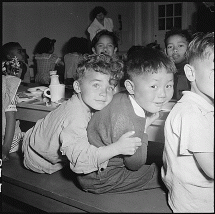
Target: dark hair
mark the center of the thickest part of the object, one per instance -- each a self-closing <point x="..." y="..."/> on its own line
<point x="79" y="45"/>
<point x="176" y="31"/>
<point x="132" y="50"/>
<point x="6" y="48"/>
<point x="147" y="60"/>
<point x="44" y="45"/>
<point x="200" y="47"/>
<point x="106" y="33"/>
<point x="102" y="63"/>
<point x="96" y="11"/>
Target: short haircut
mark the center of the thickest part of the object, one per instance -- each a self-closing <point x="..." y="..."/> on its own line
<point x="147" y="60"/>
<point x="101" y="63"/>
<point x="106" y="33"/>
<point x="200" y="47"/>
<point x="44" y="45"/>
<point x="6" y="49"/>
<point x="176" y="31"/>
<point x="96" y="11"/>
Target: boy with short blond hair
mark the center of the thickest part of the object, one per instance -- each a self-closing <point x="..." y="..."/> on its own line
<point x="188" y="157"/>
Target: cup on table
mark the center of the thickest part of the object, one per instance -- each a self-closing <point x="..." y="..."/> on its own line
<point x="57" y="92"/>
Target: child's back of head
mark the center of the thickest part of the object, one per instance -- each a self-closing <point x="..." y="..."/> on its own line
<point x="45" y="45"/>
<point x="200" y="47"/>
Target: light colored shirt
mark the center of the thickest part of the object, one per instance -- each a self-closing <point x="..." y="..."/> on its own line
<point x="71" y="63"/>
<point x="62" y="131"/>
<point x="45" y="64"/>
<point x="189" y="128"/>
<point x="96" y="26"/>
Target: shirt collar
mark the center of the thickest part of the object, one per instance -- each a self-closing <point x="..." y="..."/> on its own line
<point x="137" y="109"/>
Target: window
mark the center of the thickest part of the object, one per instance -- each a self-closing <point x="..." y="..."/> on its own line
<point x="169" y="15"/>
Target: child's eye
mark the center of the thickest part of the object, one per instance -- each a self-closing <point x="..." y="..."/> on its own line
<point x="180" y="46"/>
<point x="100" y="46"/>
<point x="110" y="46"/>
<point x="96" y="85"/>
<point x="169" y="46"/>
<point x="169" y="86"/>
<point x="153" y="86"/>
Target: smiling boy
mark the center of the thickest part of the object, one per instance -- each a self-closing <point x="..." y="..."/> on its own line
<point x="149" y="85"/>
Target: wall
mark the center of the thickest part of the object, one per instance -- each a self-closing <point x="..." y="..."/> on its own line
<point x="28" y="22"/>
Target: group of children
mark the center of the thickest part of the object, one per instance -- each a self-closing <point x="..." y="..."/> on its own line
<point x="102" y="131"/>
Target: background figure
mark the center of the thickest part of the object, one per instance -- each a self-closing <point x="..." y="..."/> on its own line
<point x="46" y="61"/>
<point x="11" y="132"/>
<point x="99" y="21"/>
<point x="12" y="49"/>
<point x="176" y="42"/>
<point x="75" y="48"/>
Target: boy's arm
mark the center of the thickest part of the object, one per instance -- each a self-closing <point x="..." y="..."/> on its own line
<point x="206" y="162"/>
<point x="9" y="133"/>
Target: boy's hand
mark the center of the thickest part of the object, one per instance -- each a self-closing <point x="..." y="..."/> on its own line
<point x="127" y="145"/>
<point x="150" y="118"/>
<point x="5" y="153"/>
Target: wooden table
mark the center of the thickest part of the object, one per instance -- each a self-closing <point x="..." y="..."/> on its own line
<point x="34" y="110"/>
<point x="59" y="192"/>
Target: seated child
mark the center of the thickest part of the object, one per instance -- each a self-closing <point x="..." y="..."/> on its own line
<point x="62" y="134"/>
<point x="12" y="49"/>
<point x="149" y="85"/>
<point x="188" y="170"/>
<point x="106" y="42"/>
<point x="46" y="60"/>
<point x="176" y="42"/>
<point x="76" y="47"/>
<point x="11" y="132"/>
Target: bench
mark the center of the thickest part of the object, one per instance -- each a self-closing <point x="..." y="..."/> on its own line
<point x="59" y="192"/>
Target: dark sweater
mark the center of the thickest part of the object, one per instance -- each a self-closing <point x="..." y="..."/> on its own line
<point x="109" y="124"/>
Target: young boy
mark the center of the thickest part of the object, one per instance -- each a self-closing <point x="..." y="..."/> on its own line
<point x="188" y="169"/>
<point x="62" y="134"/>
<point x="176" y="42"/>
<point x="149" y="86"/>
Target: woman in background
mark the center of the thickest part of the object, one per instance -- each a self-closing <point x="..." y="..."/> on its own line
<point x="100" y="22"/>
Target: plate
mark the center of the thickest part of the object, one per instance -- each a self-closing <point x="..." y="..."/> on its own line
<point x="38" y="88"/>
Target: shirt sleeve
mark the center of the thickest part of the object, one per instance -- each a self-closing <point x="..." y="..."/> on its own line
<point x="12" y="106"/>
<point x="83" y="157"/>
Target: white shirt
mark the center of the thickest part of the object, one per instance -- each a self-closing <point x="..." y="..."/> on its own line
<point x="96" y="26"/>
<point x="188" y="128"/>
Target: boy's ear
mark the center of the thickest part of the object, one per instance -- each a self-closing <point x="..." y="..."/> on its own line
<point x="76" y="86"/>
<point x="189" y="72"/>
<point x="93" y="50"/>
<point x="129" y="85"/>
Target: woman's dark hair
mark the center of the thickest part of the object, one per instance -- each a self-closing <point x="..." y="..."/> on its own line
<point x="44" y="45"/>
<point x="176" y="31"/>
<point x="106" y="33"/>
<point x="96" y="11"/>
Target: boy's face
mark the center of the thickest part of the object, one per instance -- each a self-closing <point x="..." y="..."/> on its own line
<point x="95" y="90"/>
<point x="105" y="45"/>
<point x="204" y="76"/>
<point x="176" y="48"/>
<point x="152" y="90"/>
<point x="17" y="51"/>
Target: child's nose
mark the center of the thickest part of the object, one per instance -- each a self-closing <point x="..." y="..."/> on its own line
<point x="162" y="92"/>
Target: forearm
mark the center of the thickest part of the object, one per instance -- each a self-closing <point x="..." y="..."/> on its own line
<point x="9" y="130"/>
